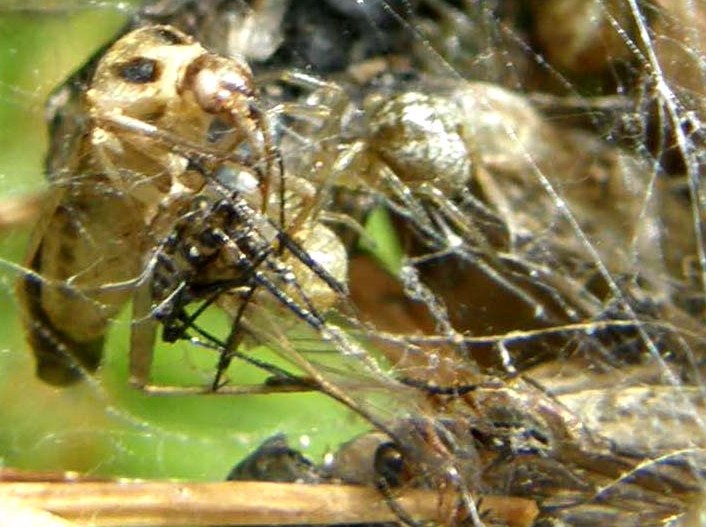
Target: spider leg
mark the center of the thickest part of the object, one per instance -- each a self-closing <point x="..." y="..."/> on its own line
<point x="279" y="377"/>
<point x="312" y="318"/>
<point x="433" y="389"/>
<point x="304" y="257"/>
<point x="384" y="488"/>
<point x="187" y="320"/>
<point x="234" y="339"/>
<point x="244" y="214"/>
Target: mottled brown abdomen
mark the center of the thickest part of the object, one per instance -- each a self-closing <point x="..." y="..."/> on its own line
<point x="85" y="256"/>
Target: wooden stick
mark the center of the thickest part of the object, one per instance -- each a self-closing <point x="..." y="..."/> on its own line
<point x="15" y="512"/>
<point x="241" y="503"/>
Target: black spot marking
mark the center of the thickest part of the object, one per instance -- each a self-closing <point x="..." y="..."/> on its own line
<point x="60" y="359"/>
<point x="139" y="70"/>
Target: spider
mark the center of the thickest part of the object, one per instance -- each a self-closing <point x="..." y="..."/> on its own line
<point x="479" y="182"/>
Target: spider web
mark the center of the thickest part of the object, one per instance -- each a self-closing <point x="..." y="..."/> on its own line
<point x="572" y="263"/>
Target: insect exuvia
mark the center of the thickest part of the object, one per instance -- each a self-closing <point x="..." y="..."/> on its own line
<point x="136" y="136"/>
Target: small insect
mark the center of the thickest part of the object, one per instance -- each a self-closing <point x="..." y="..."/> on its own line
<point x="122" y="165"/>
<point x="224" y="252"/>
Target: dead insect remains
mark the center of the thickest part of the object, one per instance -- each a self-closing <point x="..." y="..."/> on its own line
<point x="161" y="121"/>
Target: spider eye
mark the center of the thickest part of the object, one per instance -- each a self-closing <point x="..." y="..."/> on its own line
<point x="139" y="70"/>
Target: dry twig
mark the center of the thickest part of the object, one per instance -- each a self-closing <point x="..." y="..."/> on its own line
<point x="127" y="503"/>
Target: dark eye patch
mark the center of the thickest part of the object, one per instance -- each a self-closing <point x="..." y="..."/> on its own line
<point x="139" y="70"/>
<point x="169" y="36"/>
